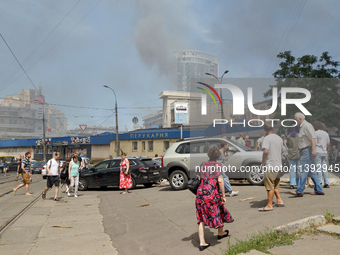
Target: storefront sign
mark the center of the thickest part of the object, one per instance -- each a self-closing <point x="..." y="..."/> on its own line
<point x="155" y="135"/>
<point x="56" y="143"/>
<point x="80" y="140"/>
<point x="39" y="142"/>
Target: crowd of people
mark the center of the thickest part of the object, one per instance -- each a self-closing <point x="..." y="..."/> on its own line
<point x="305" y="148"/>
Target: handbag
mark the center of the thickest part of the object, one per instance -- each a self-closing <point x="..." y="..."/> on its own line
<point x="193" y="184"/>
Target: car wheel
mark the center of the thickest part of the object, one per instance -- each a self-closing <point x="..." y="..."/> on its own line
<point x="44" y="177"/>
<point x="134" y="184"/>
<point x="82" y="186"/>
<point x="255" y="176"/>
<point x="148" y="185"/>
<point x="178" y="180"/>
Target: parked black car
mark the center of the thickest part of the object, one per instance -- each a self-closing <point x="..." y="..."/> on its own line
<point x="106" y="173"/>
<point x="37" y="167"/>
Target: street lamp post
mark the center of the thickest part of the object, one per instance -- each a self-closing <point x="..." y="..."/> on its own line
<point x="116" y="110"/>
<point x="219" y="82"/>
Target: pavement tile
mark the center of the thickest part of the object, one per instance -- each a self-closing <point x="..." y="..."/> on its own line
<point x="311" y="245"/>
<point x="333" y="229"/>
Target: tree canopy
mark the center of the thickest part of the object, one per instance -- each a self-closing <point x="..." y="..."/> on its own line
<point x="318" y="75"/>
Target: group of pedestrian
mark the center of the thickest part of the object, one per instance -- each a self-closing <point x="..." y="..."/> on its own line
<point x="244" y="140"/>
<point x="306" y="150"/>
<point x="69" y="175"/>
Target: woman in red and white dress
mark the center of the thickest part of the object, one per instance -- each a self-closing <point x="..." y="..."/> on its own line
<point x="125" y="178"/>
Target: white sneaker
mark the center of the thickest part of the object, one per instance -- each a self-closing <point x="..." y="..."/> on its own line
<point x="75" y="196"/>
<point x="233" y="193"/>
<point x="68" y="193"/>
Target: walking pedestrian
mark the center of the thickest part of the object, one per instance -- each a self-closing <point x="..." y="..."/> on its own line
<point x="241" y="139"/>
<point x="322" y="145"/>
<point x="53" y="176"/>
<point x="125" y="181"/>
<point x="224" y="148"/>
<point x="246" y="141"/>
<point x="260" y="141"/>
<point x="64" y="176"/>
<point x="210" y="199"/>
<point x="285" y="148"/>
<point x="293" y="156"/>
<point x="5" y="167"/>
<point x="26" y="171"/>
<point x="307" y="146"/>
<point x="73" y="175"/>
<point x="334" y="155"/>
<point x="272" y="163"/>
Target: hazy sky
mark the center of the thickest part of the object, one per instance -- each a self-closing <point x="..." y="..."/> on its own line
<point x="78" y="46"/>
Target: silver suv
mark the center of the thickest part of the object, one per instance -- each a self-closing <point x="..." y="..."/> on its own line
<point x="184" y="156"/>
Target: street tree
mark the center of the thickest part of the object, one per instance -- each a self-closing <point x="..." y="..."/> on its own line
<point x="318" y="75"/>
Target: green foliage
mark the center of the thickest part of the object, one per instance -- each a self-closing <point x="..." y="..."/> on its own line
<point x="318" y="75"/>
<point x="261" y="242"/>
<point x="328" y="216"/>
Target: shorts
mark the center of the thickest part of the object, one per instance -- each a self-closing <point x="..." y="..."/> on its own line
<point x="25" y="178"/>
<point x="271" y="183"/>
<point x="52" y="180"/>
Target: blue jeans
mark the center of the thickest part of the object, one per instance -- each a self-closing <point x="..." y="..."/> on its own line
<point x="227" y="186"/>
<point x="294" y="167"/>
<point x="321" y="165"/>
<point x="307" y="161"/>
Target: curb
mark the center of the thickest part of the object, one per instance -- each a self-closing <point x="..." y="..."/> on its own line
<point x="302" y="224"/>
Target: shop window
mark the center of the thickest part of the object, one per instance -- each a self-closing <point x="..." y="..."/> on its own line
<point x="134" y="146"/>
<point x="143" y="146"/>
<point x="150" y="145"/>
<point x="166" y="145"/>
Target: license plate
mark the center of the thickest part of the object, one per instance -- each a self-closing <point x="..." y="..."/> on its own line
<point x="155" y="173"/>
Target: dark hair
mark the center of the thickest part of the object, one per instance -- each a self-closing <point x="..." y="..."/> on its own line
<point x="223" y="143"/>
<point x="27" y="153"/>
<point x="318" y="125"/>
<point x="75" y="156"/>
<point x="294" y="131"/>
<point x="67" y="160"/>
<point x="214" y="153"/>
<point x="57" y="153"/>
<point x="156" y="155"/>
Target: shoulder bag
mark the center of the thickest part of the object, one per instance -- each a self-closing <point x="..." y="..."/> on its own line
<point x="193" y="184"/>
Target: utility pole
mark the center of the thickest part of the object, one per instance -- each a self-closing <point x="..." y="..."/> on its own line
<point x="44" y="144"/>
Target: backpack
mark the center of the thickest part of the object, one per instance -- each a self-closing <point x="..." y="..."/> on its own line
<point x="64" y="171"/>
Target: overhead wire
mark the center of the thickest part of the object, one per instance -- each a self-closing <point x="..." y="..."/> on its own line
<point x="59" y="40"/>
<point x="41" y="43"/>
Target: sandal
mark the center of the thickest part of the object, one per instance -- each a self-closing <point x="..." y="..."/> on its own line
<point x="56" y="199"/>
<point x="292" y="187"/>
<point x="43" y="195"/>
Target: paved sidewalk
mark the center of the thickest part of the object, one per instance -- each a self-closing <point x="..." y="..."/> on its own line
<point x="70" y="226"/>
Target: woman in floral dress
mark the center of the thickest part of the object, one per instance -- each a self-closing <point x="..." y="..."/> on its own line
<point x="210" y="198"/>
<point x="125" y="181"/>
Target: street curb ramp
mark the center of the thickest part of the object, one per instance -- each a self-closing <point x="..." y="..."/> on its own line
<point x="302" y="224"/>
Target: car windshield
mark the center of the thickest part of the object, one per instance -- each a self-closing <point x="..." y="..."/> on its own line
<point x="239" y="145"/>
<point x="150" y="162"/>
<point x="39" y="164"/>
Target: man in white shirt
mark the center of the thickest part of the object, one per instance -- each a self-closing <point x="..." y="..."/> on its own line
<point x="53" y="175"/>
<point x="272" y="164"/>
<point x="260" y="141"/>
<point x="307" y="146"/>
<point x="322" y="145"/>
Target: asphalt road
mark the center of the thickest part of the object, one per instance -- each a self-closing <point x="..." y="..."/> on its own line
<point x="168" y="224"/>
